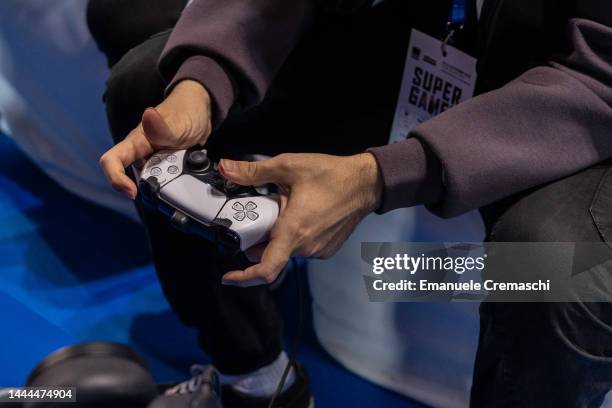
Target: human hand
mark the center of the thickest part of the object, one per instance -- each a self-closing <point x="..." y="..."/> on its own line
<point x="182" y="120"/>
<point x="323" y="198"/>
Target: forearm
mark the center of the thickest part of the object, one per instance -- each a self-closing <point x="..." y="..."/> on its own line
<point x="547" y="124"/>
<point x="233" y="47"/>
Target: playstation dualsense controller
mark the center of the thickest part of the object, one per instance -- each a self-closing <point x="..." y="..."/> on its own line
<point x="187" y="186"/>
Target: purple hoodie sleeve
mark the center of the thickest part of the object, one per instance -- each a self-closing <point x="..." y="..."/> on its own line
<point x="233" y="47"/>
<point x="549" y="123"/>
<point x="411" y="173"/>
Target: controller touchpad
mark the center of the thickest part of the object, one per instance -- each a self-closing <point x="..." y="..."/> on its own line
<point x="202" y="200"/>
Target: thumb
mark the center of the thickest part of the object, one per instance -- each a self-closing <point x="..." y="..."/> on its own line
<point x="252" y="173"/>
<point x="156" y="129"/>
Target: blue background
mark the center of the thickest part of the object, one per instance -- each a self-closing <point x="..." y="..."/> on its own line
<point x="71" y="271"/>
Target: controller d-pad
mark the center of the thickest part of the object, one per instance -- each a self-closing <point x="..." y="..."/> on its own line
<point x="245" y="211"/>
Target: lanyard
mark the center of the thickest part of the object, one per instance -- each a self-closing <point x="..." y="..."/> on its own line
<point x="458" y="13"/>
<point x="456" y="21"/>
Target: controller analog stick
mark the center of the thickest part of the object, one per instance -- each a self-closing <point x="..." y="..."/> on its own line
<point x="198" y="161"/>
<point x="231" y="187"/>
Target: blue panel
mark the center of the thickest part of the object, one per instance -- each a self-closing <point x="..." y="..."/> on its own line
<point x="71" y="271"/>
<point x="26" y="339"/>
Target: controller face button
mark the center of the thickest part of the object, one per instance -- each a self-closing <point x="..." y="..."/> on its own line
<point x="155" y="160"/>
<point x="171" y="158"/>
<point x="252" y="215"/>
<point x="173" y="169"/>
<point x="250" y="206"/>
<point x="156" y="171"/>
<point x="239" y="216"/>
<point x="198" y="160"/>
<point x="238" y="207"/>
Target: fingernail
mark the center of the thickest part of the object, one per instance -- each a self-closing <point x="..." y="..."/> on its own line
<point x="129" y="193"/>
<point x="228" y="165"/>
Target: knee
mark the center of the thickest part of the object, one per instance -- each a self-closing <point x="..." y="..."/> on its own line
<point x="119" y="25"/>
<point x="107" y="22"/>
<point x="134" y="84"/>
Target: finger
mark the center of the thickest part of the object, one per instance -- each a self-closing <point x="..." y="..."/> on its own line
<point x="156" y="129"/>
<point x="255" y="253"/>
<point x="244" y="279"/>
<point x="284" y="200"/>
<point x="254" y="173"/>
<point x="274" y="258"/>
<point x="115" y="174"/>
<point x="133" y="148"/>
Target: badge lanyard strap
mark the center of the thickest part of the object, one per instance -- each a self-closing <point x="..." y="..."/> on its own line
<point x="456" y="21"/>
<point x="458" y="13"/>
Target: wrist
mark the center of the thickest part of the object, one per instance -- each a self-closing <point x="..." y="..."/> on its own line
<point x="191" y="100"/>
<point x="193" y="89"/>
<point x="371" y="181"/>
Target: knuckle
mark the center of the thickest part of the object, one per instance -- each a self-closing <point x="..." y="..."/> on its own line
<point x="115" y="184"/>
<point x="269" y="277"/>
<point x="303" y="232"/>
<point x="251" y="169"/>
<point x="293" y="230"/>
<point x="309" y="252"/>
<point x="326" y="254"/>
<point x="104" y="160"/>
<point x="284" y="161"/>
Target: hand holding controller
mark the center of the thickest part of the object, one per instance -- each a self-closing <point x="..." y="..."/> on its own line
<point x="187" y="186"/>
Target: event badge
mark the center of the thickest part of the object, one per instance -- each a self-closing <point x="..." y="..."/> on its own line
<point x="437" y="76"/>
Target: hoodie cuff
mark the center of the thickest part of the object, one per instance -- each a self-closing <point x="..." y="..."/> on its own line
<point x="411" y="175"/>
<point x="214" y="78"/>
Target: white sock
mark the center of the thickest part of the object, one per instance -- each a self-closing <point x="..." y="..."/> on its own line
<point x="262" y="382"/>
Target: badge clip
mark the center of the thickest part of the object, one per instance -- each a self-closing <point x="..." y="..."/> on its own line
<point x="451" y="30"/>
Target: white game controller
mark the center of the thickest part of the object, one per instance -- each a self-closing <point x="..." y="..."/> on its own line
<point x="187" y="186"/>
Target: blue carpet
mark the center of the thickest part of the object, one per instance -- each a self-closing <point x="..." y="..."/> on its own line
<point x="71" y="271"/>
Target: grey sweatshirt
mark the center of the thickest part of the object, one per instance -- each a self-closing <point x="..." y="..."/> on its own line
<point x="552" y="121"/>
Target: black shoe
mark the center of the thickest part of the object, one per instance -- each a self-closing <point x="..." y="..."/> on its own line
<point x="296" y="396"/>
<point x="198" y="392"/>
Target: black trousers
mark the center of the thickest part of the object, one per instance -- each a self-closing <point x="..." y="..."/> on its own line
<point x="529" y="355"/>
<point x="550" y="354"/>
<point x="240" y="329"/>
